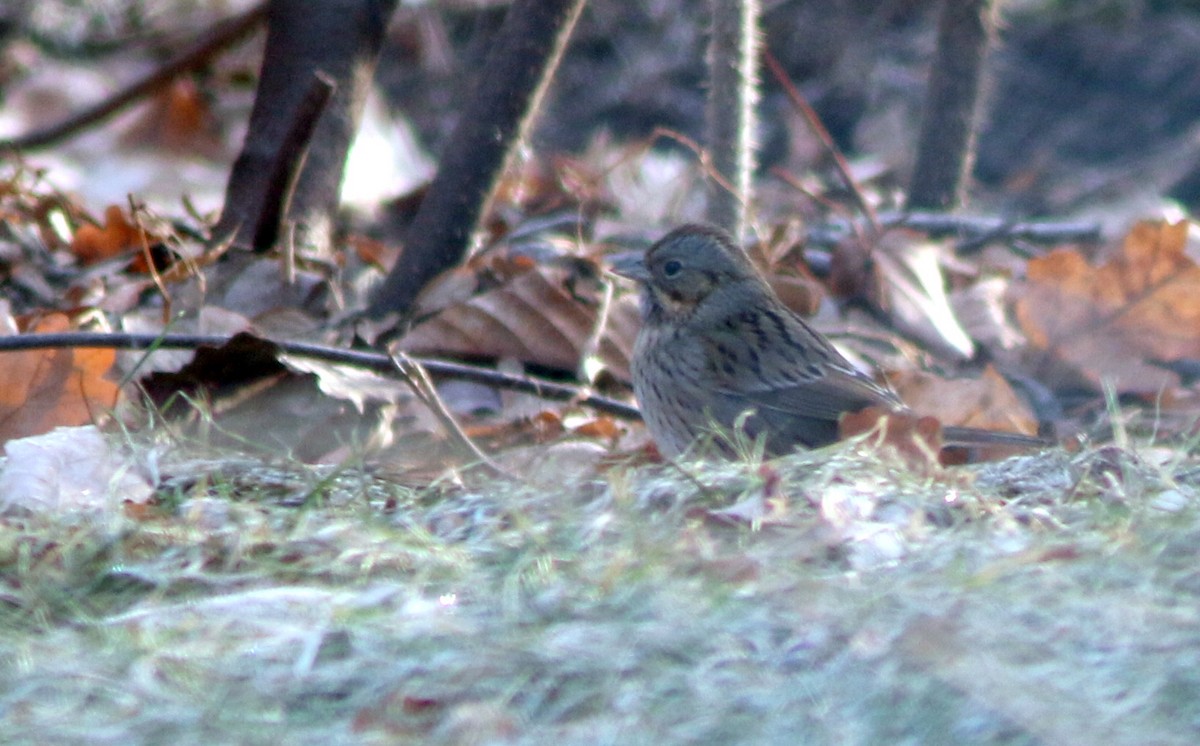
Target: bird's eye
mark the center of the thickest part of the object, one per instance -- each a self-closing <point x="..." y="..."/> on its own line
<point x="672" y="268"/>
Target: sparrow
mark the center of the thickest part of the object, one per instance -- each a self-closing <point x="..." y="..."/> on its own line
<point x="717" y="347"/>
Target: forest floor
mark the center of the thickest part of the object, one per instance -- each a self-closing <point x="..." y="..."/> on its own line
<point x="256" y="570"/>
<point x="830" y="597"/>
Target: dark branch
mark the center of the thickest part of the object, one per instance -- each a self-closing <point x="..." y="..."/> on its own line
<point x="373" y="361"/>
<point x="969" y="228"/>
<point x="946" y="146"/>
<point x="222" y="36"/>
<point x="285" y="170"/>
<point x="503" y="99"/>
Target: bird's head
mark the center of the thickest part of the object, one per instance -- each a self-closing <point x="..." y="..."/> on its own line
<point x="679" y="273"/>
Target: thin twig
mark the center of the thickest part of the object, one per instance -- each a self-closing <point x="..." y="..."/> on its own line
<point x="829" y="204"/>
<point x="818" y="129"/>
<point x="591" y="346"/>
<point x="969" y="228"/>
<point x="706" y="164"/>
<point x="155" y="275"/>
<point x="222" y="36"/>
<point x="417" y="378"/>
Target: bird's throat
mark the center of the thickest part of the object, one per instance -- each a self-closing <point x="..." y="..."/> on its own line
<point x="676" y="307"/>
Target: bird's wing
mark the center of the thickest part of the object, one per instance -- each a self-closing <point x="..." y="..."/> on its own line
<point x="793" y="373"/>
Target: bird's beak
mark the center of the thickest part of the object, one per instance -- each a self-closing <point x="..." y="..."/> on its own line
<point x="631" y="264"/>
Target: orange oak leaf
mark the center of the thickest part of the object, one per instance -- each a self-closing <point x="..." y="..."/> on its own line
<point x="93" y="243"/>
<point x="1106" y="321"/>
<point x="45" y="389"/>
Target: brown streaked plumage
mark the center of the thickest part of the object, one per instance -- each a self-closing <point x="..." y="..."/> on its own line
<point x="717" y="346"/>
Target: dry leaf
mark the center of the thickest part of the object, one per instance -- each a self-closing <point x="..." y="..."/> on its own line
<point x="460" y="283"/>
<point x="601" y="427"/>
<point x="983" y="312"/>
<point x="533" y="318"/>
<point x="68" y="470"/>
<point x="986" y="402"/>
<point x="372" y="251"/>
<point x="914" y="290"/>
<point x="94" y="243"/>
<point x="778" y="257"/>
<point x="800" y="293"/>
<point x="1105" y="321"/>
<point x="44" y="389"/>
<point x="252" y="396"/>
<point x="178" y="120"/>
<point x="917" y="439"/>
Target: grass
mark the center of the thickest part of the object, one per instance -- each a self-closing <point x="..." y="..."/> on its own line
<point x="831" y="598"/>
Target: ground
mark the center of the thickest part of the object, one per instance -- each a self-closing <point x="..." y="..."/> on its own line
<point x="582" y="593"/>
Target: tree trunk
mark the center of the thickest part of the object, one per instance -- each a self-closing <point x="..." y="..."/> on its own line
<point x="946" y="147"/>
<point x="506" y="93"/>
<point x="342" y="39"/>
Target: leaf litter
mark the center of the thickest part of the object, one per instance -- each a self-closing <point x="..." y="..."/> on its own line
<point x="831" y="596"/>
<point x="297" y="553"/>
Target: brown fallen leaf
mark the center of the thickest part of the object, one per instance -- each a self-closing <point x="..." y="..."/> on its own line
<point x="602" y="428"/>
<point x="543" y="184"/>
<point x="912" y="288"/>
<point x="180" y="120"/>
<point x="537" y="317"/>
<point x="372" y="251"/>
<point x="987" y="402"/>
<point x="459" y="284"/>
<point x="69" y="470"/>
<point x="779" y="255"/>
<point x="798" y="292"/>
<point x="93" y="243"/>
<point x="45" y="389"/>
<point x="1105" y="321"/>
<point x="917" y="439"/>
